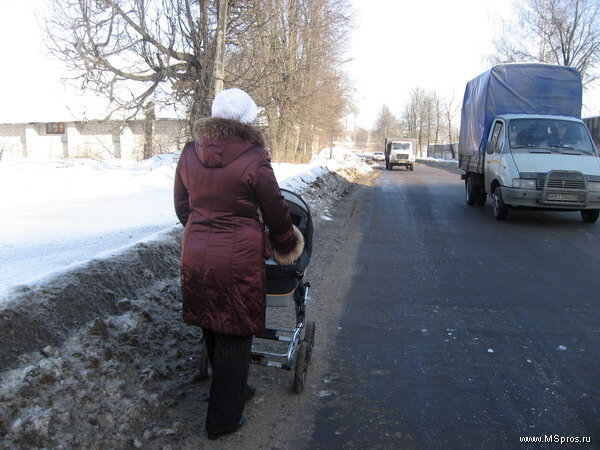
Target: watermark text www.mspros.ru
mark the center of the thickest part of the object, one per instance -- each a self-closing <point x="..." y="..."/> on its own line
<point x="557" y="439"/>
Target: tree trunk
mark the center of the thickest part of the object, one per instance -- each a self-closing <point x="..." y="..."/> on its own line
<point x="149" y="131"/>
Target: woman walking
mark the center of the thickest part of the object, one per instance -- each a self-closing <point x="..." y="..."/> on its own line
<point x="222" y="180"/>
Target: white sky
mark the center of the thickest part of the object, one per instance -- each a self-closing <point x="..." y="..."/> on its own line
<point x="396" y="45"/>
<point x="438" y="45"/>
<point x="30" y="81"/>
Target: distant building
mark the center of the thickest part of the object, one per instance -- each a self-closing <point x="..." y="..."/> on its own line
<point x="91" y="139"/>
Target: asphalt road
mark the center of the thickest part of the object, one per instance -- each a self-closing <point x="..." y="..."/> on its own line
<point x="460" y="331"/>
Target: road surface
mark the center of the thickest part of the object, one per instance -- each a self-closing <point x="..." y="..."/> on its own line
<point x="459" y="331"/>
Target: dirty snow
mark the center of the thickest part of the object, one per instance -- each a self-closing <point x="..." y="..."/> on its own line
<point x="57" y="214"/>
<point x="97" y="357"/>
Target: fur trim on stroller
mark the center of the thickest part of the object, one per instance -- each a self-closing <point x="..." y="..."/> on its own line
<point x="291" y="256"/>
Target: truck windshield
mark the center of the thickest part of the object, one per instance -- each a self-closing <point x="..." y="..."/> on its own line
<point x="549" y="135"/>
<point x="400" y="145"/>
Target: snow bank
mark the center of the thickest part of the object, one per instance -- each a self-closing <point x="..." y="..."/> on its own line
<point x="55" y="215"/>
<point x="61" y="279"/>
<point x="450" y="165"/>
<point x="440" y="161"/>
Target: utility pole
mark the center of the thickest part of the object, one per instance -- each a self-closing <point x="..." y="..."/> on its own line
<point x="220" y="46"/>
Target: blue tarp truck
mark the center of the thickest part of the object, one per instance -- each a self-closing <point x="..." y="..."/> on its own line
<point x="522" y="141"/>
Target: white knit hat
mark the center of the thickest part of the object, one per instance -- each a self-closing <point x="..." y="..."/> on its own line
<point x="234" y="104"/>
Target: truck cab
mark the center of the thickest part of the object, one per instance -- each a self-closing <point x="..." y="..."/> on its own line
<point x="539" y="161"/>
<point x="400" y="152"/>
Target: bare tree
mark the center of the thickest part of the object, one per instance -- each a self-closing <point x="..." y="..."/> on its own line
<point x="564" y="32"/>
<point x="136" y="51"/>
<point x="410" y="116"/>
<point x="291" y="58"/>
<point x="437" y="117"/>
<point x="386" y="125"/>
<point x="450" y="109"/>
<point x="288" y="54"/>
<point x="415" y="117"/>
<point x="428" y="118"/>
<point x="361" y="138"/>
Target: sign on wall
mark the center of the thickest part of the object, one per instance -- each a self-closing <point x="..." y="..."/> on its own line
<point x="55" y="128"/>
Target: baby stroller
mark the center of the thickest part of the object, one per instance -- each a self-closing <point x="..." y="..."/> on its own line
<point x="286" y="287"/>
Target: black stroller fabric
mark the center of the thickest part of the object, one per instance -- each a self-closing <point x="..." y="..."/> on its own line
<point x="283" y="279"/>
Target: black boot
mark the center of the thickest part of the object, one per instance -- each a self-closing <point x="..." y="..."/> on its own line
<point x="213" y="436"/>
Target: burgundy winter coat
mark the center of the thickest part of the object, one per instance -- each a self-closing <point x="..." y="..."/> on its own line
<point x="222" y="179"/>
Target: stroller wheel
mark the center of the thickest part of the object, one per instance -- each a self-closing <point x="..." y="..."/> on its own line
<point x="301" y="367"/>
<point x="309" y="338"/>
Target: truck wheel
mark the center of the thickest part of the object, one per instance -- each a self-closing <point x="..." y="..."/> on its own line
<point x="590" y="215"/>
<point x="412" y="167"/>
<point x="470" y="194"/>
<point x="500" y="209"/>
<point x="481" y="196"/>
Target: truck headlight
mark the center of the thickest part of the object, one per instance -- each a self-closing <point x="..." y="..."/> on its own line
<point x="593" y="186"/>
<point x="524" y="183"/>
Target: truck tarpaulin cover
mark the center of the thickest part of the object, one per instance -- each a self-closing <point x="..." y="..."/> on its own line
<point x="516" y="89"/>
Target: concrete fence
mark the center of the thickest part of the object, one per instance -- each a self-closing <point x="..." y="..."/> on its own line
<point x="91" y="139"/>
<point x="443" y="151"/>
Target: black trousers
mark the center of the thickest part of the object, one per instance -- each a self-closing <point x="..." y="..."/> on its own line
<point x="229" y="358"/>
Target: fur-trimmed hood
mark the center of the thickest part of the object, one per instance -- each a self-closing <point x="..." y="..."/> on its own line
<point x="220" y="141"/>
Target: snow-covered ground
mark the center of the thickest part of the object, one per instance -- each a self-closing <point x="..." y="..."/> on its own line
<point x="58" y="214"/>
<point x="441" y="161"/>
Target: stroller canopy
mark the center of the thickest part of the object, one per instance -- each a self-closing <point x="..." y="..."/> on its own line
<point x="301" y="217"/>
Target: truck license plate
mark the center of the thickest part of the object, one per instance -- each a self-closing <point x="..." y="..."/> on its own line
<point x="563" y="197"/>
